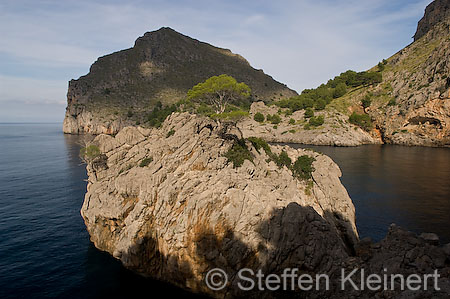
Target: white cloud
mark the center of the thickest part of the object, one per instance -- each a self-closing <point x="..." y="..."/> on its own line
<point x="301" y="43"/>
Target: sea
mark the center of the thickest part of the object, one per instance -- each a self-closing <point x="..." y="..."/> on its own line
<point x="45" y="251"/>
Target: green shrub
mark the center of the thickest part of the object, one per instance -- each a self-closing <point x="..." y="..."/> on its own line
<point x="204" y="109"/>
<point x="292" y="121"/>
<point x="170" y="133"/>
<point x="392" y="102"/>
<point x="283" y="160"/>
<point x="90" y="152"/>
<point x="259" y="143"/>
<point x="309" y="112"/>
<point x="130" y="113"/>
<point x="366" y="101"/>
<point x="238" y="153"/>
<point x="259" y="117"/>
<point x="275" y="119"/>
<point x="234" y="115"/>
<point x="287" y="112"/>
<point x="340" y="90"/>
<point x="159" y="114"/>
<point x="320" y="104"/>
<point x="303" y="168"/>
<point x="316" y="121"/>
<point x="145" y="162"/>
<point x="361" y="120"/>
<point x="275" y="127"/>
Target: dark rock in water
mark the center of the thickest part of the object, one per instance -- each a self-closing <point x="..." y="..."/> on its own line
<point x="430" y="238"/>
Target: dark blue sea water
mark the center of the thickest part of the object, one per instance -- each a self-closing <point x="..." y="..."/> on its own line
<point x="45" y="249"/>
<point x="408" y="186"/>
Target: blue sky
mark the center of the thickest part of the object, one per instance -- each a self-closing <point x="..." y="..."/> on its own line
<point x="45" y="43"/>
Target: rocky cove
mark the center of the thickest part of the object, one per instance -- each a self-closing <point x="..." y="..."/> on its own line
<point x="170" y="206"/>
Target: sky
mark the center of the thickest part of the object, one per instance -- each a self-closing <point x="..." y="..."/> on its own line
<point x="302" y="43"/>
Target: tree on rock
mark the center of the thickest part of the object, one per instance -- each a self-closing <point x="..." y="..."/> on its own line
<point x="219" y="91"/>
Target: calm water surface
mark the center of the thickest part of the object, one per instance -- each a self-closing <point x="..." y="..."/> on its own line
<point x="45" y="249"/>
<point x="409" y="186"/>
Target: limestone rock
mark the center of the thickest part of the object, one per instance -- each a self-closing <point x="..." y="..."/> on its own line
<point x="189" y="210"/>
<point x="336" y="130"/>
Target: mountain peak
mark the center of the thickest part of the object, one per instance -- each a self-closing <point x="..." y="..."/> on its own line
<point x="436" y="12"/>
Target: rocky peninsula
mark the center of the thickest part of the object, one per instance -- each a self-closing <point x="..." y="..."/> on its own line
<point x="170" y="205"/>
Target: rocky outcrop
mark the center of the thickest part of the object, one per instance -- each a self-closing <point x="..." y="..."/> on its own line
<point x="122" y="88"/>
<point x="86" y="122"/>
<point x="189" y="210"/>
<point x="335" y="131"/>
<point x="170" y="206"/>
<point x="436" y="12"/>
<point x="417" y="83"/>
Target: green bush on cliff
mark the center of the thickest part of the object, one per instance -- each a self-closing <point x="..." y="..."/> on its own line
<point x="275" y="119"/>
<point x="145" y="162"/>
<point x="159" y="114"/>
<point x="238" y="153"/>
<point x="170" y="133"/>
<point x="366" y="101"/>
<point x="259" y="117"/>
<point x="361" y="120"/>
<point x="283" y="160"/>
<point x="309" y="112"/>
<point x="303" y="168"/>
<point x="316" y="121"/>
<point x="90" y="152"/>
<point x="259" y="143"/>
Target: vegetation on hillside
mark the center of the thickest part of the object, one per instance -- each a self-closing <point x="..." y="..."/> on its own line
<point x="302" y="168"/>
<point x="159" y="114"/>
<point x="89" y="153"/>
<point x="361" y="120"/>
<point x="321" y="96"/>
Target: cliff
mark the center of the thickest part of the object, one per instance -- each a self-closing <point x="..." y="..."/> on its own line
<point x="436" y="12"/>
<point x="411" y="106"/>
<point x="123" y="87"/>
<point x="168" y="204"/>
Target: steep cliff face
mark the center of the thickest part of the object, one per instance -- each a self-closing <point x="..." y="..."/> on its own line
<point x="121" y="88"/>
<point x="416" y="81"/>
<point x="168" y="205"/>
<point x="411" y="104"/>
<point x="436" y="12"/>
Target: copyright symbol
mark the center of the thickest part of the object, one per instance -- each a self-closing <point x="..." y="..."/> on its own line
<point x="216" y="279"/>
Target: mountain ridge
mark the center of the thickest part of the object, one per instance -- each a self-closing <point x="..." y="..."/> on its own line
<point x="161" y="66"/>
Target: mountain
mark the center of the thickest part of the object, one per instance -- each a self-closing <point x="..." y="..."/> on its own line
<point x="412" y="104"/>
<point x="121" y="88"/>
<point x="408" y="105"/>
<point x="436" y="12"/>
